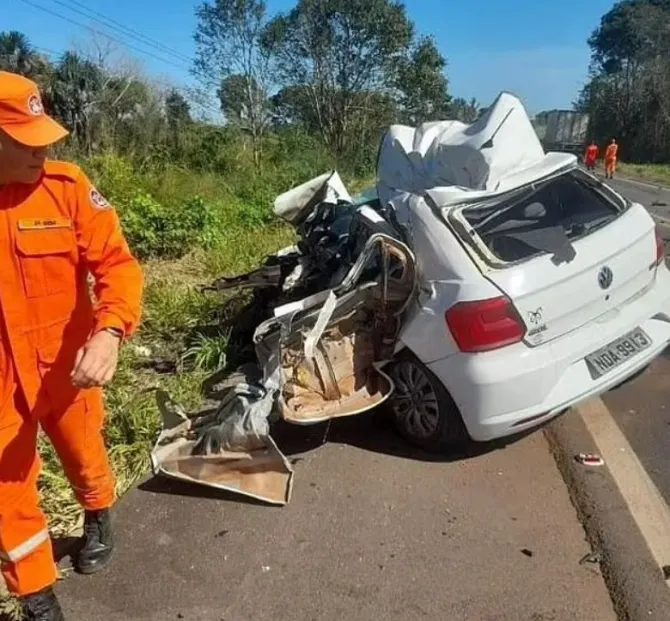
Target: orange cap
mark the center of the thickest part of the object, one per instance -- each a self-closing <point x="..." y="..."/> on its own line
<point x="22" y="114"/>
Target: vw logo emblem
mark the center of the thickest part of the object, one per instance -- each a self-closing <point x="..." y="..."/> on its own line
<point x="605" y="277"/>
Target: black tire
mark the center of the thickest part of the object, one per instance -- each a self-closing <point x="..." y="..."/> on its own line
<point x="423" y="412"/>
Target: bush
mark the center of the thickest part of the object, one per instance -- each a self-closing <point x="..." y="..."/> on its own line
<point x="114" y="176"/>
<point x="156" y="231"/>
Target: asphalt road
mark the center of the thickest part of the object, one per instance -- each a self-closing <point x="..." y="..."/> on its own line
<point x="641" y="408"/>
<point x="376" y="530"/>
<point x="373" y="531"/>
<point x="654" y="197"/>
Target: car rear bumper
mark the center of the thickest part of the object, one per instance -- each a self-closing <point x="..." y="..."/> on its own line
<point x="517" y="388"/>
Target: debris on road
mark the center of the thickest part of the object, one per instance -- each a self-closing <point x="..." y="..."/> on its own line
<point x="590" y="459"/>
<point x="592" y="558"/>
<point x="323" y="317"/>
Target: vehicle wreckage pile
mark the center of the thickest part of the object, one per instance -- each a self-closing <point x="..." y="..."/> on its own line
<point x="323" y="317"/>
<point x="327" y="314"/>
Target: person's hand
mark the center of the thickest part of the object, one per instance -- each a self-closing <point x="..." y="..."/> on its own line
<point x="96" y="361"/>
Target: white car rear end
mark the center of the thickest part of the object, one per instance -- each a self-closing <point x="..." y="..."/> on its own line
<point x="568" y="297"/>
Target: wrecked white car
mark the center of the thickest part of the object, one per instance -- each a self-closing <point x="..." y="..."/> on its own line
<point x="483" y="288"/>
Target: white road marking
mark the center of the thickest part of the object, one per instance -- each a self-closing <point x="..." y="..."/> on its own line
<point x="644" y="184"/>
<point x="649" y="509"/>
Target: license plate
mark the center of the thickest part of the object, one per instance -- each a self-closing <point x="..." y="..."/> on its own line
<point x="611" y="356"/>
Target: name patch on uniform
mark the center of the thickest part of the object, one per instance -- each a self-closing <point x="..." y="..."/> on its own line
<point x="45" y="223"/>
<point x="98" y="200"/>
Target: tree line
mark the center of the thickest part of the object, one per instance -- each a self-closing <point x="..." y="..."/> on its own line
<point x="327" y="74"/>
<point x="628" y="92"/>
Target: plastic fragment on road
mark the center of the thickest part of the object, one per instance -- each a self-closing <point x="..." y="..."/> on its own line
<point x="590" y="459"/>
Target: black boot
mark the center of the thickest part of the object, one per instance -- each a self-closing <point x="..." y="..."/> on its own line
<point x="42" y="606"/>
<point x="98" y="542"/>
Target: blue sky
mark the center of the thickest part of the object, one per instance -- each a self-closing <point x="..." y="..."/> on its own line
<point x="534" y="48"/>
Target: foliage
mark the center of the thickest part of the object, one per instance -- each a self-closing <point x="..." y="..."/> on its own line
<point x="423" y="85"/>
<point x="628" y="93"/>
<point x="343" y="53"/>
<point x="655" y="173"/>
<point x="465" y="111"/>
<point x="73" y="91"/>
<point x="153" y="230"/>
<point x="18" y="56"/>
<point x="229" y="52"/>
<point x="206" y="353"/>
<point x="338" y="72"/>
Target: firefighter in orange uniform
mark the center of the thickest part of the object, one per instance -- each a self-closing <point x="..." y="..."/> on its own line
<point x="591" y="156"/>
<point x="611" y="159"/>
<point x="58" y="344"/>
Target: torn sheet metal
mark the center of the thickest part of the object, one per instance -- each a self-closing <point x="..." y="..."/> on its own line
<point x="329" y="350"/>
<point x="297" y="203"/>
<point x="453" y="162"/>
<point x="325" y="315"/>
<point x="259" y="472"/>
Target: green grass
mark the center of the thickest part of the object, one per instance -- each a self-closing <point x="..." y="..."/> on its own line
<point x="173" y="306"/>
<point x="654" y="173"/>
<point x="233" y="231"/>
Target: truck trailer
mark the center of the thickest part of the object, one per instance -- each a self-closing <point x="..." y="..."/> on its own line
<point x="562" y="130"/>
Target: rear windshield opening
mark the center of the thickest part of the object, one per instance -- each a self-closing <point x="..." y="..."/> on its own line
<point x="544" y="218"/>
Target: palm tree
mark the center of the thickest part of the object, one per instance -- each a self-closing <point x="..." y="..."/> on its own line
<point x="18" y="56"/>
<point x="74" y="92"/>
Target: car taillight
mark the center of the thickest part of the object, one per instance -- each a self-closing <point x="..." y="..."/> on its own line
<point x="660" y="246"/>
<point x="484" y="325"/>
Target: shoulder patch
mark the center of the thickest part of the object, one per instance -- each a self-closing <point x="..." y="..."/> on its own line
<point x="64" y="170"/>
<point x="98" y="200"/>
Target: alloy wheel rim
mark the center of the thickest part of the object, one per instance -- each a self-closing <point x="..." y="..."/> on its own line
<point x="414" y="401"/>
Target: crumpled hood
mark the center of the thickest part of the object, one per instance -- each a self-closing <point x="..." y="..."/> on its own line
<point x="452" y="161"/>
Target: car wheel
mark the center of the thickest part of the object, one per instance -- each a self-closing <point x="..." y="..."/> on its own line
<point x="423" y="412"/>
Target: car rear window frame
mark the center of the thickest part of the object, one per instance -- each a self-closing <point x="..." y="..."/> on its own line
<point x="455" y="217"/>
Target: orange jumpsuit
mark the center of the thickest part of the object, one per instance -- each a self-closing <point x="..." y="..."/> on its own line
<point x="591" y="156"/>
<point x="610" y="159"/>
<point x="51" y="235"/>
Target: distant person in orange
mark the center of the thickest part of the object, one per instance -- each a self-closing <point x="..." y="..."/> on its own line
<point x="591" y="156"/>
<point x="611" y="159"/>
<point x="58" y="347"/>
